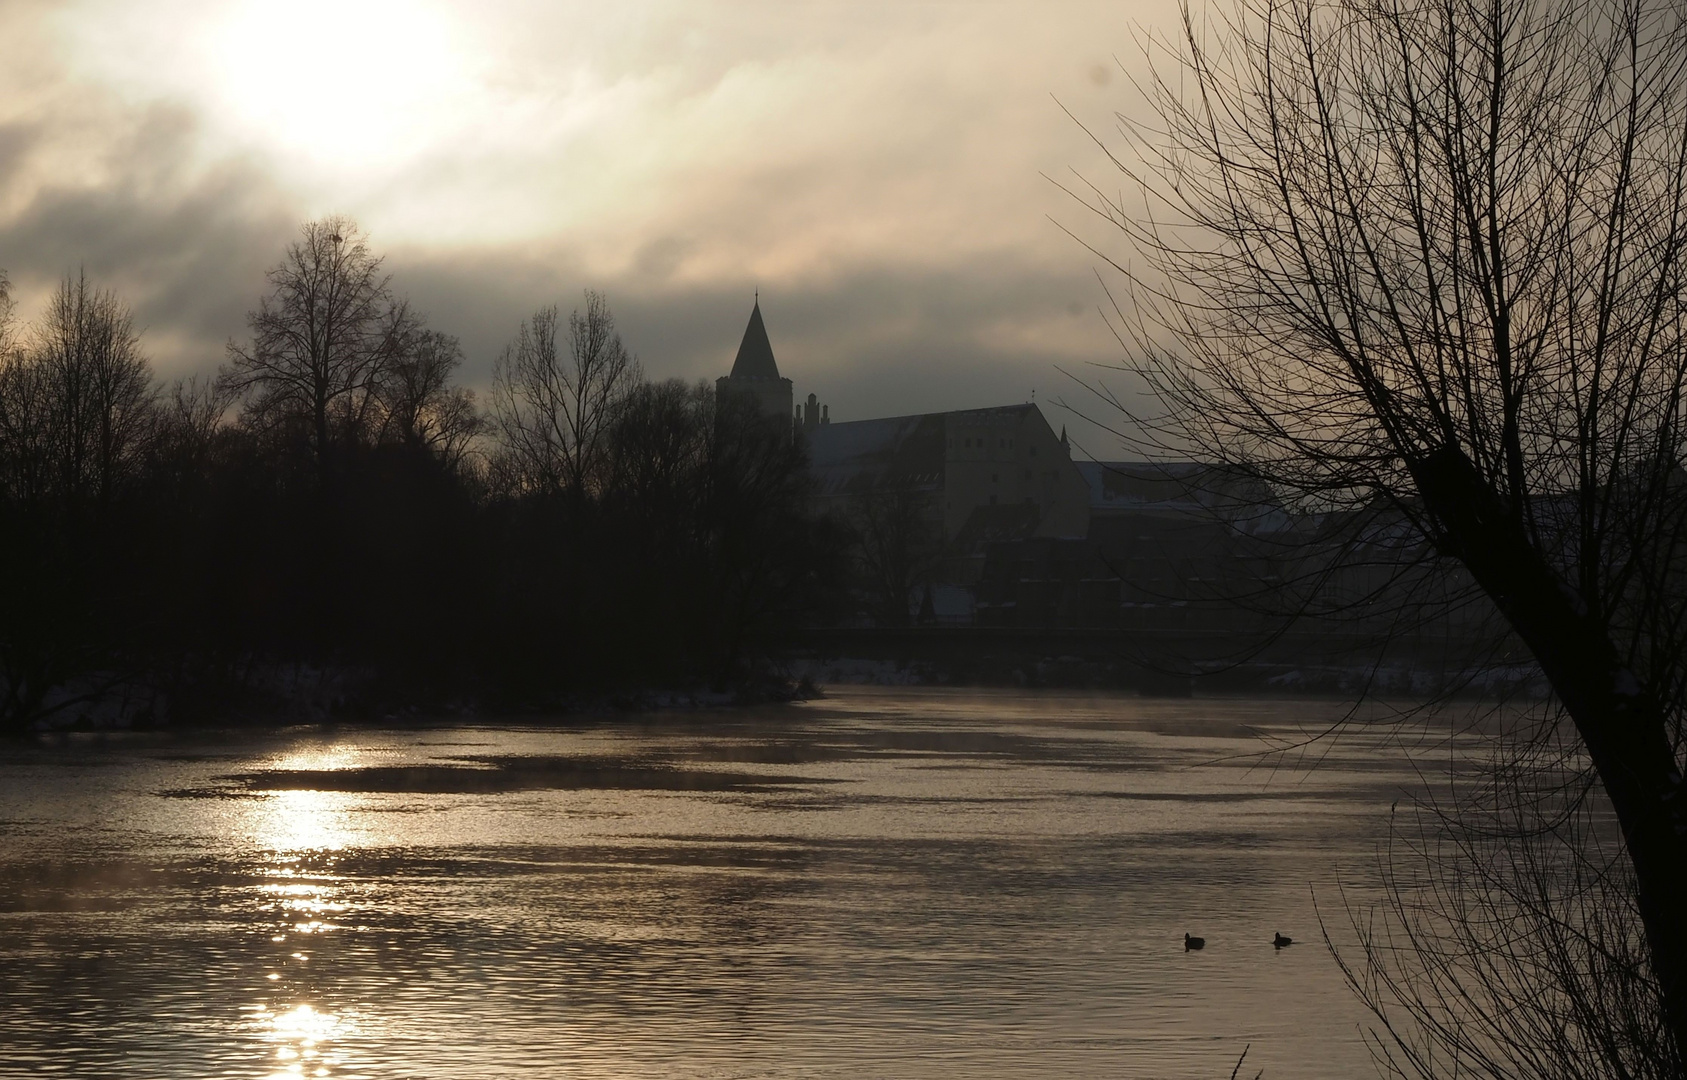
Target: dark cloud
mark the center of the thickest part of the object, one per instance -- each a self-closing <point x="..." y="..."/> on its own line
<point x="186" y="247"/>
<point x="16" y="140"/>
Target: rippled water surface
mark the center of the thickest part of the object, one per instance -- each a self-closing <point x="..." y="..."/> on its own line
<point x="884" y="883"/>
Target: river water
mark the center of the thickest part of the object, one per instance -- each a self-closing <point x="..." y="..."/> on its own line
<point x="884" y="883"/>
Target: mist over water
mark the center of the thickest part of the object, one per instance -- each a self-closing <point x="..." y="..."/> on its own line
<point x="887" y="883"/>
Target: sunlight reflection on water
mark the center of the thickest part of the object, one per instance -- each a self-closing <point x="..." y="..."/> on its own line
<point x="303" y="820"/>
<point x="897" y="884"/>
<point x="303" y="1039"/>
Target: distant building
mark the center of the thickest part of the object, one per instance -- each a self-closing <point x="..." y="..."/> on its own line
<point x="812" y="416"/>
<point x="1168" y="543"/>
<point x="982" y="517"/>
<point x="948" y="484"/>
<point x="985" y="474"/>
<point x="755" y="376"/>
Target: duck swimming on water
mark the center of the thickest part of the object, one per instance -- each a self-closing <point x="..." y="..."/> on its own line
<point x="1281" y="941"/>
<point x="1190" y="942"/>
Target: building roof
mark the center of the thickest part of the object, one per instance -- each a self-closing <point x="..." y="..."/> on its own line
<point x="861" y="454"/>
<point x="855" y="440"/>
<point x="1181" y="489"/>
<point x="856" y="455"/>
<point x="1145" y="485"/>
<point x="755" y="353"/>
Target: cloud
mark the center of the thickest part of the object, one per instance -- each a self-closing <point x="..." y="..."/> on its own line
<point x="873" y="169"/>
<point x="187" y="249"/>
<point x="869" y="342"/>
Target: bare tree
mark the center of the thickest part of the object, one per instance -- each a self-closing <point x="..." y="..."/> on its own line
<point x="191" y="417"/>
<point x="421" y="408"/>
<point x="102" y="390"/>
<point x="898" y="544"/>
<point x="77" y="416"/>
<point x="758" y="486"/>
<point x="1509" y="943"/>
<point x="321" y="340"/>
<point x="658" y="451"/>
<point x="553" y="410"/>
<point x="25" y="442"/>
<point x="1431" y="252"/>
<point x="8" y="315"/>
<point x="76" y="401"/>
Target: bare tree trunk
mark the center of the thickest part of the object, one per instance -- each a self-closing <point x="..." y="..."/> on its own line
<point x="1625" y="729"/>
<point x="1432" y="254"/>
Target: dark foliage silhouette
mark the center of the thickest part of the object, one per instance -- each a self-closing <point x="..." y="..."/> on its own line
<point x="76" y="420"/>
<point x="332" y="525"/>
<point x="897" y="546"/>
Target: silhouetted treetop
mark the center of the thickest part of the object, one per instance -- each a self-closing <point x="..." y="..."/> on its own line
<point x="553" y="402"/>
<point x="322" y="340"/>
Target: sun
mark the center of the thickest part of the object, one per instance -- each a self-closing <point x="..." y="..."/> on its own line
<point x="352" y="84"/>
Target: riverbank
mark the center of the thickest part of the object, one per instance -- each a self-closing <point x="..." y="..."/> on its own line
<point x="286" y="694"/>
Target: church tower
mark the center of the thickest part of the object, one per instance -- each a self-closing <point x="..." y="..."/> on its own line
<point x="755" y="375"/>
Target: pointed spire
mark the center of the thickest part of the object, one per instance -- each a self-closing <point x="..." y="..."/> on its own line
<point x="755" y="353"/>
<point x="1064" y="445"/>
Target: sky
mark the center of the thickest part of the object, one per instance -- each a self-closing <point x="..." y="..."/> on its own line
<point x="880" y="172"/>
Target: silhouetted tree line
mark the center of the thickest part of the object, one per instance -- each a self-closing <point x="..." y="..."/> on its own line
<point x="333" y="518"/>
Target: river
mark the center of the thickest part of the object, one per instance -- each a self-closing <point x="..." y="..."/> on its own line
<point x="883" y="883"/>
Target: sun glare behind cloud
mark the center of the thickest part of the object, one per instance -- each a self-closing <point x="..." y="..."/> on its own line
<point x="349" y="85"/>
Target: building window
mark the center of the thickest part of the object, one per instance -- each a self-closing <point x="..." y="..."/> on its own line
<point x="1033" y="452"/>
<point x="994" y="479"/>
<point x="992" y="500"/>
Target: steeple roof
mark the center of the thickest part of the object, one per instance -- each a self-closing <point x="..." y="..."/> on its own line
<point x="755" y="354"/>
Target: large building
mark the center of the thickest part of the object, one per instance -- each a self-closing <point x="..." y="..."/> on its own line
<point x="994" y="524"/>
<point x="982" y="474"/>
<point x="986" y="474"/>
<point x="1169" y="547"/>
<point x="954" y="482"/>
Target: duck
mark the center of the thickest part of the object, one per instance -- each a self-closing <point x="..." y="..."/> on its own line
<point x="1191" y="942"/>
<point x="1279" y="941"/>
